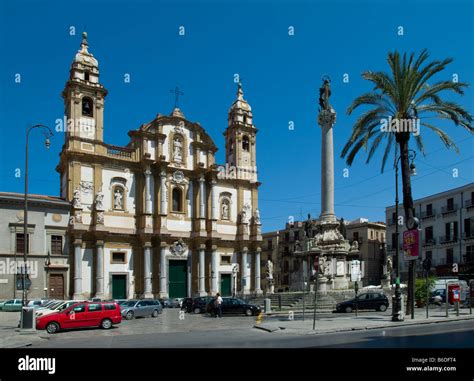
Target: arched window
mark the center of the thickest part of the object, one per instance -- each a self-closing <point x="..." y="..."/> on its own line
<point x="87" y="106"/>
<point x="245" y="143"/>
<point x="177" y="204"/>
<point x="86" y="75"/>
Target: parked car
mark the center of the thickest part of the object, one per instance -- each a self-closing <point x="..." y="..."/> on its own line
<point x="438" y="296"/>
<point x="12" y="305"/>
<point x="176" y="302"/>
<point x="81" y="315"/>
<point x="141" y="308"/>
<point x="197" y="305"/>
<point x="36" y="303"/>
<point x="366" y="301"/>
<point x="165" y="303"/>
<point x="233" y="306"/>
<point x="56" y="307"/>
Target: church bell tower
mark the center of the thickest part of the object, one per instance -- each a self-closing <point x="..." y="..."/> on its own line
<point x="84" y="97"/>
<point x="240" y="139"/>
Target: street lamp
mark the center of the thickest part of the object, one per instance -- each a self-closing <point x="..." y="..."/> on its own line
<point x="46" y="131"/>
<point x="396" y="307"/>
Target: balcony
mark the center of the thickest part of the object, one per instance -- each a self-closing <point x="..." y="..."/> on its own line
<point x="428" y="214"/>
<point x="468" y="235"/>
<point x="449" y="209"/>
<point x="469" y="204"/>
<point x="119" y="152"/>
<point x="447" y="239"/>
<point x="429" y="242"/>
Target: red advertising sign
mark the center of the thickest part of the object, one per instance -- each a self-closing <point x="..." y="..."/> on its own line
<point x="411" y="244"/>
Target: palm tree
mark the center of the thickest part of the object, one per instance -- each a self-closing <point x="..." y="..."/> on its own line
<point x="405" y="95"/>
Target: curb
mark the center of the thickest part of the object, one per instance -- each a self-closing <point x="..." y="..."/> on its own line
<point x="402" y="324"/>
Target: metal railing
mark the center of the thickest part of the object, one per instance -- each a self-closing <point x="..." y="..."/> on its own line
<point x="428" y="214"/>
<point x="429" y="242"/>
<point x="449" y="209"/>
<point x="447" y="239"/>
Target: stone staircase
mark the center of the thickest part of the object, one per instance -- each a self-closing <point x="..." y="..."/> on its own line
<point x="294" y="300"/>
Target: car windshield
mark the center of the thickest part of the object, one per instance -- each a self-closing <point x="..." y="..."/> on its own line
<point x="128" y="304"/>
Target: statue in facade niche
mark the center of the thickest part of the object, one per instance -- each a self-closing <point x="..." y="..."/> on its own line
<point x="225" y="211"/>
<point x="308" y="227"/>
<point x="342" y="228"/>
<point x="269" y="269"/>
<point x="177" y="150"/>
<point x="118" y="196"/>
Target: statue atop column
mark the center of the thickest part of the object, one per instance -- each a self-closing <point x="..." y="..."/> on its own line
<point x="325" y="94"/>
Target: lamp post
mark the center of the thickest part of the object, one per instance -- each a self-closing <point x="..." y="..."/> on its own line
<point x="47" y="134"/>
<point x="397" y="307"/>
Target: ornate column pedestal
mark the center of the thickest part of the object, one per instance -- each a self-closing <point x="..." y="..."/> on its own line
<point x="202" y="271"/>
<point x="99" y="288"/>
<point x="163" y="272"/>
<point x="77" y="270"/>
<point x="147" y="266"/>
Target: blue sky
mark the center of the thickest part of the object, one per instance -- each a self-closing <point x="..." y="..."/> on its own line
<point x="281" y="75"/>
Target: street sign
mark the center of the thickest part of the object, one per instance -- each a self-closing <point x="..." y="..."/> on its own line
<point x="356" y="275"/>
<point x="19" y="282"/>
<point x="411" y="240"/>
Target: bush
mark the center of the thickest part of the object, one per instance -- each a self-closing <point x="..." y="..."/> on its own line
<point x="421" y="286"/>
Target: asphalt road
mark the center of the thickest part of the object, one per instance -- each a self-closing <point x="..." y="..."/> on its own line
<point x="439" y="335"/>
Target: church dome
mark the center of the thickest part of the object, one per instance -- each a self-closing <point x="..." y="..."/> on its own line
<point x="83" y="56"/>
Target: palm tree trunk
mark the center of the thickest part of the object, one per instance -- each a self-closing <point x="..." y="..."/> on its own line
<point x="408" y="206"/>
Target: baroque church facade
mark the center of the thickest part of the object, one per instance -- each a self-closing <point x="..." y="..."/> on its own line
<point x="158" y="217"/>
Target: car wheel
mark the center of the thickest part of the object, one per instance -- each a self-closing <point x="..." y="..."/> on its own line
<point x="106" y="324"/>
<point x="155" y="313"/>
<point x="248" y="312"/>
<point x="52" y="327"/>
<point x="197" y="310"/>
<point x="383" y="308"/>
<point x="348" y="309"/>
<point x="129" y="315"/>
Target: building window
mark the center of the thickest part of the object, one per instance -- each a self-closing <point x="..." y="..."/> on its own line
<point x="429" y="210"/>
<point x="450" y="204"/>
<point x="119" y="257"/>
<point x="297" y="235"/>
<point x="225" y="260"/>
<point x="451" y="230"/>
<point x="355" y="236"/>
<point x="177" y="203"/>
<point x="429" y="255"/>
<point x="371" y="234"/>
<point x="286" y="266"/>
<point x="246" y="143"/>
<point x="449" y="255"/>
<point x="87" y="105"/>
<point x="469" y="227"/>
<point x="270" y="244"/>
<point x="20" y="242"/>
<point x="56" y="244"/>
<point x="470" y="253"/>
<point x="86" y="76"/>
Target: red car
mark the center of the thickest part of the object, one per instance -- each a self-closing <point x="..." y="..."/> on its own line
<point x="82" y="314"/>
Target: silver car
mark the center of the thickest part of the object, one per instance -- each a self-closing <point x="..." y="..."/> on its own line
<point x="141" y="308"/>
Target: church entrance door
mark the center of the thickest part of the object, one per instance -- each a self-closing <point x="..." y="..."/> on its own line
<point x="178" y="274"/>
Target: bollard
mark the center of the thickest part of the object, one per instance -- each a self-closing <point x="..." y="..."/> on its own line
<point x="268" y="305"/>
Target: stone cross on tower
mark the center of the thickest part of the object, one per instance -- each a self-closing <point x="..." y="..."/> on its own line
<point x="326" y="119"/>
<point x="176" y="93"/>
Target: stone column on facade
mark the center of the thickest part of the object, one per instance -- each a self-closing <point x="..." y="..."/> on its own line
<point x="305" y="278"/>
<point x="258" y="288"/>
<point x="148" y="202"/>
<point x="163" y="273"/>
<point x="326" y="120"/>
<point x="202" y="271"/>
<point x="213" y="200"/>
<point x="147" y="273"/>
<point x="77" y="270"/>
<point x="214" y="270"/>
<point x="245" y="272"/>
<point x="202" y="198"/>
<point x="190" y="273"/>
<point x="99" y="279"/>
<point x="163" y="196"/>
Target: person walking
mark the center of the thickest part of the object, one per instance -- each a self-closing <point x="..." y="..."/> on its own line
<point x="218" y="305"/>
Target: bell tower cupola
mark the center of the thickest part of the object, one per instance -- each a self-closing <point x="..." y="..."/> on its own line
<point x="84" y="96"/>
